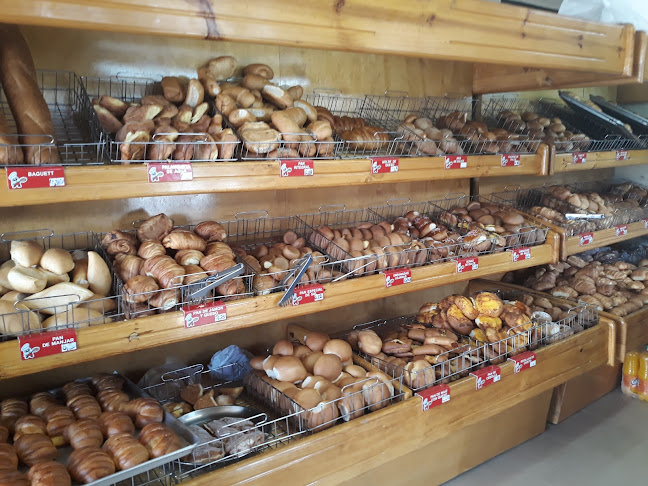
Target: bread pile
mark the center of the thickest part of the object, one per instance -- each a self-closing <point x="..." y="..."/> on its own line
<point x="98" y="421"/>
<point x="359" y="136"/>
<point x="616" y="287"/>
<point x="159" y="258"/>
<point x="320" y="378"/>
<point x="195" y="397"/>
<point x="442" y="138"/>
<point x="52" y="287"/>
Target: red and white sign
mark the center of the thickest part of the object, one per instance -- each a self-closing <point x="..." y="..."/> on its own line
<point x="622" y="155"/>
<point x="35" y="177"/>
<point x="621" y="230"/>
<point x="586" y="239"/>
<point x="520" y="254"/>
<point x="383" y="165"/>
<point x="204" y="314"/>
<point x="397" y="277"/>
<point x="579" y="157"/>
<point x="296" y="168"/>
<point x="47" y="343"/>
<point x="169" y="172"/>
<point x="306" y="294"/>
<point x="434" y="396"/>
<point x="467" y="264"/>
<point x="456" y="161"/>
<point x="486" y="376"/>
<point x="523" y="361"/>
<point x="510" y="160"/>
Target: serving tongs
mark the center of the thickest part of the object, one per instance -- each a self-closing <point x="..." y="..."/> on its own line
<point x="200" y="289"/>
<point x="298" y="272"/>
<point x="573" y="216"/>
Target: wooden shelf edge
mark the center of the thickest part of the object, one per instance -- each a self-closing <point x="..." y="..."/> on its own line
<point x="489" y="33"/>
<point x="132" y="335"/>
<point x="96" y="183"/>
<point x="605" y="237"/>
<point x="598" y="160"/>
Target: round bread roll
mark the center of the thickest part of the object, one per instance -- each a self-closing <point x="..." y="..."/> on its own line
<point x="98" y="275"/>
<point x="328" y="366"/>
<point x="27" y="279"/>
<point x="14" y="321"/>
<point x="283" y="347"/>
<point x="289" y="368"/>
<point x="26" y="253"/>
<point x="340" y="348"/>
<point x="57" y="260"/>
<point x="81" y="315"/>
<point x="316" y="340"/>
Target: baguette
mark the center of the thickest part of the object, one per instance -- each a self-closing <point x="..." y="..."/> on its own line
<point x="9" y="155"/>
<point x="18" y="77"/>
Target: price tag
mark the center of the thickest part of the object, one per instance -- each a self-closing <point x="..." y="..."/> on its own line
<point x="467" y="264"/>
<point x="35" y="177"/>
<point x="383" y="165"/>
<point x="306" y="294"/>
<point x="296" y="168"/>
<point x="47" y="343"/>
<point x="586" y="239"/>
<point x="579" y="157"/>
<point x="169" y="172"/>
<point x="510" y="160"/>
<point x="204" y="314"/>
<point x="523" y="361"/>
<point x="456" y="161"/>
<point x="621" y="230"/>
<point x="434" y="396"/>
<point x="622" y="155"/>
<point x="520" y="254"/>
<point x="486" y="376"/>
<point x="397" y="277"/>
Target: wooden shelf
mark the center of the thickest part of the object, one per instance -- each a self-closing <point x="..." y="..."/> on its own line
<point x="493" y="78"/>
<point x="597" y="160"/>
<point x="343" y="452"/>
<point x="92" y="183"/>
<point x="604" y="237"/>
<point x="463" y="30"/>
<point x="147" y="332"/>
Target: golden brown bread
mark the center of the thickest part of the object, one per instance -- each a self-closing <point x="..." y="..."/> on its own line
<point x="112" y="423"/>
<point x="30" y="111"/>
<point x="35" y="448"/>
<point x="10" y="153"/>
<point x="8" y="457"/>
<point x="9" y="477"/>
<point x="89" y="464"/>
<point x="84" y="433"/>
<point x="49" y="474"/>
<point x="159" y="439"/>
<point x="125" y="451"/>
<point x="144" y="410"/>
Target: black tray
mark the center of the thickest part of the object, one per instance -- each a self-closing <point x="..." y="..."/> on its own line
<point x="638" y="123"/>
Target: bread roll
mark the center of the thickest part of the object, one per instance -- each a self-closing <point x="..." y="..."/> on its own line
<point x="9" y="154"/>
<point x="81" y="315"/>
<point x="18" y="77"/>
<point x="27" y="279"/>
<point x="49" y="474"/>
<point x="55" y="298"/>
<point x="57" y="260"/>
<point x="99" y="278"/>
<point x="26" y="253"/>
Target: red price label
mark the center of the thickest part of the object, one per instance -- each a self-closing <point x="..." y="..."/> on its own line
<point x="204" y="314"/>
<point x="622" y="155"/>
<point x="397" y="277"/>
<point x="467" y="264"/>
<point x="35" y="177"/>
<point x="434" y="396"/>
<point x="519" y="254"/>
<point x="621" y="230"/>
<point x="296" y="168"/>
<point x="169" y="172"/>
<point x="579" y="157"/>
<point x="486" y="376"/>
<point x="306" y="294"/>
<point x="510" y="160"/>
<point x="383" y="165"/>
<point x="523" y="361"/>
<point x="586" y="239"/>
<point x="456" y="161"/>
<point x="47" y="343"/>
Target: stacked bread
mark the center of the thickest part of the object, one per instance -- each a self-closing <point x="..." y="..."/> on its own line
<point x="319" y="379"/>
<point x="432" y="139"/>
<point x="195" y="397"/>
<point x="97" y="420"/>
<point x="356" y="132"/>
<point x="42" y="288"/>
<point x="159" y="258"/>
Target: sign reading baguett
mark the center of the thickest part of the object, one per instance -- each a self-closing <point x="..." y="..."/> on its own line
<point x="486" y="376"/>
<point x="305" y="294"/>
<point x="169" y="172"/>
<point x="47" y="343"/>
<point x="456" y="161"/>
<point x="296" y="168"/>
<point x="383" y="165"/>
<point x="35" y="177"/>
<point x="434" y="396"/>
<point x="523" y="361"/>
<point x="204" y="314"/>
<point x="398" y="276"/>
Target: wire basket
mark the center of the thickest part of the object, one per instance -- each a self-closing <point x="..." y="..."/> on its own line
<point x="528" y="234"/>
<point x="70" y="109"/>
<point x="194" y="147"/>
<point x="70" y="313"/>
<point x="269" y="432"/>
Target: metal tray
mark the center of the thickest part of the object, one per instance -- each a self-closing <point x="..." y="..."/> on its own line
<point x="638" y="123"/>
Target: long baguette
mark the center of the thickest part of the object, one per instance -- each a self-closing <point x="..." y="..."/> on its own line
<point x="18" y="77"/>
<point x="10" y="152"/>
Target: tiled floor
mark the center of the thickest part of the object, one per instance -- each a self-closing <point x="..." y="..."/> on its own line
<point x="604" y="444"/>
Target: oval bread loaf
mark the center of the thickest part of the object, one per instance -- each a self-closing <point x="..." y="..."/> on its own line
<point x="27" y="279"/>
<point x="26" y="253"/>
<point x="57" y="260"/>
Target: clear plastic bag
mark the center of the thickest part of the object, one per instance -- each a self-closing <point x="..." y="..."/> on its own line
<point x="609" y="11"/>
<point x="229" y="355"/>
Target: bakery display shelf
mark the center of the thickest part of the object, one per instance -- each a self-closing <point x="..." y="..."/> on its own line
<point x="341" y="453"/>
<point x="88" y="183"/>
<point x="573" y="244"/>
<point x="147" y="332"/>
<point x="447" y="29"/>
<point x="570" y="162"/>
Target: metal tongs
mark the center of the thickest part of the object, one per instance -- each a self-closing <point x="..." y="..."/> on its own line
<point x="298" y="273"/>
<point x="214" y="281"/>
<point x="584" y="216"/>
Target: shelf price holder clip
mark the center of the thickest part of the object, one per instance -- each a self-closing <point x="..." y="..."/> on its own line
<point x="384" y="165"/>
<point x="621" y="230"/>
<point x="523" y="361"/>
<point x="510" y="160"/>
<point x="486" y="376"/>
<point x="47" y="343"/>
<point x="434" y="396"/>
<point x="397" y="276"/>
<point x="35" y="177"/>
<point x="456" y="161"/>
<point x="169" y="171"/>
<point x="297" y="272"/>
<point x="296" y="168"/>
<point x="520" y="254"/>
<point x="467" y="264"/>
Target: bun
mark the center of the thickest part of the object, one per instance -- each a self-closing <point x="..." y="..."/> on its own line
<point x="34" y="448"/>
<point x="159" y="440"/>
<point x="155" y="228"/>
<point x="57" y="260"/>
<point x="84" y="433"/>
<point x="26" y="279"/>
<point x="144" y="410"/>
<point x="8" y="457"/>
<point x="89" y="464"/>
<point x="125" y="451"/>
<point x="99" y="278"/>
<point x="29" y="424"/>
<point x="113" y="423"/>
<point x="9" y="477"/>
<point x="49" y="474"/>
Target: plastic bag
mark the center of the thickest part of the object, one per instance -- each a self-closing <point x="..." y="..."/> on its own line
<point x="154" y="375"/>
<point x="228" y="356"/>
<point x="609" y="11"/>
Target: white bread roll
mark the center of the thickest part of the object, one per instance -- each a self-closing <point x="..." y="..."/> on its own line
<point x="13" y="296"/>
<point x="27" y="279"/>
<point x="54" y="278"/>
<point x="98" y="274"/>
<point x="80" y="272"/>
<point x="57" y="260"/>
<point x="26" y="253"/>
<point x="58" y="298"/>
<point x="13" y="321"/>
<point x="99" y="303"/>
<point x="78" y="316"/>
